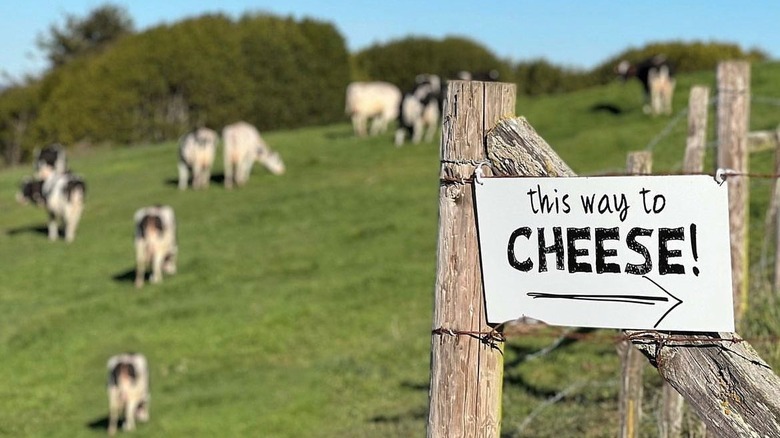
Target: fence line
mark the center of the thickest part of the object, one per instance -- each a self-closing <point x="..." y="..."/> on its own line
<point x="667" y="130"/>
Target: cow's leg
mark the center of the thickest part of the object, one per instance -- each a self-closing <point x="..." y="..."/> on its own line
<point x="130" y="407"/>
<point x="668" y="96"/>
<point x="244" y="168"/>
<point x="72" y="218"/>
<point x="169" y="263"/>
<point x="400" y="135"/>
<point x="53" y="228"/>
<point x="114" y="406"/>
<point x="417" y="132"/>
<point x="141" y="259"/>
<point x="205" y="175"/>
<point x="157" y="263"/>
<point x="359" y="124"/>
<point x="378" y="125"/>
<point x="431" y="131"/>
<point x="142" y="411"/>
<point x="184" y="176"/>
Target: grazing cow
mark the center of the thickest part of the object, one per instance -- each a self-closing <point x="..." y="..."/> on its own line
<point x="196" y="156"/>
<point x="155" y="242"/>
<point x="244" y="146"/>
<point x="657" y="77"/>
<point x="50" y="159"/>
<point x="128" y="390"/>
<point x="485" y="76"/>
<point x="375" y="101"/>
<point x="62" y="194"/>
<point x="420" y="110"/>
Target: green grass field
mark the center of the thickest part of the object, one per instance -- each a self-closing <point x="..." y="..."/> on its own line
<point x="303" y="303"/>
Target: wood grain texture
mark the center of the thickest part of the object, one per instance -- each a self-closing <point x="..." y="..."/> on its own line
<point x="632" y="363"/>
<point x="466" y="372"/>
<point x="733" y="79"/>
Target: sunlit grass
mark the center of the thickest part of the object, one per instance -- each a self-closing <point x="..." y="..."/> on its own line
<point x="303" y="303"/>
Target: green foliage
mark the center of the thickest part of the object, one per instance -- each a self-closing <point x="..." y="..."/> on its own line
<point x="80" y="36"/>
<point x="297" y="71"/>
<point x="209" y="70"/>
<point x="398" y="62"/>
<point x="538" y="77"/>
<point x="18" y="109"/>
<point x="686" y="57"/>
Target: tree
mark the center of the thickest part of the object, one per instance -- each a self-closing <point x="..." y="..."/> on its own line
<point x="81" y="36"/>
<point x="18" y="108"/>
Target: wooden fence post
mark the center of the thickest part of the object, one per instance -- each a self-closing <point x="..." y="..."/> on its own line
<point x="671" y="415"/>
<point x="775" y="205"/>
<point x="466" y="370"/>
<point x="698" y="101"/>
<point x="632" y="362"/>
<point x="733" y="79"/>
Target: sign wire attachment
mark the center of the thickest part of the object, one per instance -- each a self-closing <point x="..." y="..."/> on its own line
<point x="479" y="175"/>
<point x="721" y="174"/>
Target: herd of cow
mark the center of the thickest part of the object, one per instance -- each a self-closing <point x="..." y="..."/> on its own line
<point x="61" y="192"/>
<point x="417" y="112"/>
<point x="381" y="103"/>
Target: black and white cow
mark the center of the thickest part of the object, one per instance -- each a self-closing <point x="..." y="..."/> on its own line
<point x="485" y="75"/>
<point x="657" y="77"/>
<point x="128" y="390"/>
<point x="62" y="194"/>
<point x="155" y="242"/>
<point x="196" y="157"/>
<point x="420" y="110"/>
<point x="50" y="159"/>
<point x="244" y="146"/>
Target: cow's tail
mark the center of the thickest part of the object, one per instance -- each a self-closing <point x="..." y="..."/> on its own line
<point x="76" y="189"/>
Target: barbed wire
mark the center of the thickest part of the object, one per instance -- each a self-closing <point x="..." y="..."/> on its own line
<point x="668" y="128"/>
<point x="494" y="336"/>
<point x="666" y="131"/>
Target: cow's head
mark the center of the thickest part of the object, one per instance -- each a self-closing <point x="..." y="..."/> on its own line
<point x="625" y="69"/>
<point x="272" y="161"/>
<point x="31" y="190"/>
<point x="49" y="160"/>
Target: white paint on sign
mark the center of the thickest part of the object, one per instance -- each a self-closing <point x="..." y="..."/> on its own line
<point x="633" y="252"/>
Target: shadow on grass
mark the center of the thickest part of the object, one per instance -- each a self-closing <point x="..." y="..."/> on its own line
<point x="603" y="107"/>
<point x="340" y="134"/>
<point x="416" y="414"/>
<point x="127" y="276"/>
<point x="415" y="386"/>
<point x="100" y="423"/>
<point x="35" y="229"/>
<point x="413" y="414"/>
<point x="216" y="178"/>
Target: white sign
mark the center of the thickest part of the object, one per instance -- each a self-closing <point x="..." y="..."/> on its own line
<point x="633" y="252"/>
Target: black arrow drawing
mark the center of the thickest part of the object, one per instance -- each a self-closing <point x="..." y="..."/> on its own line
<point x="632" y="299"/>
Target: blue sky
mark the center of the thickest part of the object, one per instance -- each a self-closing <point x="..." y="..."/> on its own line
<point x="571" y="33"/>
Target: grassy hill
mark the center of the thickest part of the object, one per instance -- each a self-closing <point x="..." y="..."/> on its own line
<point x="303" y="303"/>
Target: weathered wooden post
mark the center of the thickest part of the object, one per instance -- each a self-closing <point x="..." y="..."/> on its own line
<point x="466" y="366"/>
<point x="733" y="79"/>
<point x="671" y="410"/>
<point x="698" y="101"/>
<point x="632" y="362"/>
<point x="775" y="205"/>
